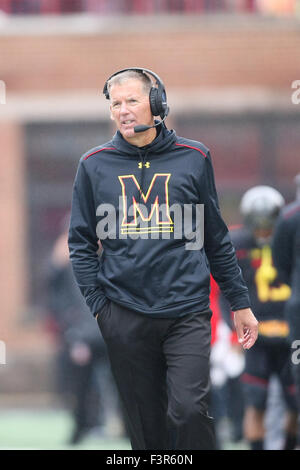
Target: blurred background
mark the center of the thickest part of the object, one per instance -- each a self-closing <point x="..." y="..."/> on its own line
<point x="228" y="67"/>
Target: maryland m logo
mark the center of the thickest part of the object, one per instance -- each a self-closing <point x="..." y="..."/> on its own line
<point x="151" y="213"/>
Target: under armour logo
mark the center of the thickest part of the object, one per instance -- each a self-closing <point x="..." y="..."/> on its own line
<point x="146" y="165"/>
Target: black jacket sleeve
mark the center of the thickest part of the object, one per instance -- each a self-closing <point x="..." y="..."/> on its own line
<point x="218" y="246"/>
<point x="282" y="247"/>
<point x="83" y="241"/>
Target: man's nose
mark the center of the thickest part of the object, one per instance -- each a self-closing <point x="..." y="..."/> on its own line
<point x="123" y="108"/>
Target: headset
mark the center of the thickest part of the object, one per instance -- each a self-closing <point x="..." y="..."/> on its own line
<point x="157" y="96"/>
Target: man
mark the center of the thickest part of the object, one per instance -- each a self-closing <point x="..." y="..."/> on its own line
<point x="286" y="254"/>
<point x="150" y="290"/>
<point x="270" y="355"/>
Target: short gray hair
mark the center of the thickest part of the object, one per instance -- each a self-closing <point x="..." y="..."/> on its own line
<point x="129" y="75"/>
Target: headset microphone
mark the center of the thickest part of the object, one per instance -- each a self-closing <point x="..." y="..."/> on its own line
<point x="142" y="127"/>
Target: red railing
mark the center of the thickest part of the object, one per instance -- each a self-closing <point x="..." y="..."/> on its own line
<point x="123" y="6"/>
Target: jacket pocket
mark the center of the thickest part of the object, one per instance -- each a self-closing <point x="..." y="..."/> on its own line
<point x="103" y="312"/>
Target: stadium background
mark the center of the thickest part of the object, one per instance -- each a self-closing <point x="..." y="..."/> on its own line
<point x="228" y="68"/>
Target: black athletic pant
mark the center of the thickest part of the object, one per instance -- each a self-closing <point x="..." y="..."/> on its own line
<point x="161" y="368"/>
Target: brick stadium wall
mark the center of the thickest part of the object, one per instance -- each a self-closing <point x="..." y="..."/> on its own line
<point x="195" y="57"/>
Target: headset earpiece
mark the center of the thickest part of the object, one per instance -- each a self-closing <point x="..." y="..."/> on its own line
<point x="155" y="102"/>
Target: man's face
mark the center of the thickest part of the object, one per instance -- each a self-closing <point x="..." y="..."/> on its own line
<point x="130" y="107"/>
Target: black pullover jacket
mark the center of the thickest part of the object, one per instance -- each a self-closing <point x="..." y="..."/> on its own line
<point x="130" y="194"/>
<point x="286" y="253"/>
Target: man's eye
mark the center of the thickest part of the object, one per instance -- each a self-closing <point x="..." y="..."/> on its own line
<point x="115" y="105"/>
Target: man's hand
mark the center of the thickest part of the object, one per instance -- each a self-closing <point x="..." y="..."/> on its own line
<point x="246" y="327"/>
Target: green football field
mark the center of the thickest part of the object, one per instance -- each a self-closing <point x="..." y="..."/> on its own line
<point x="46" y="430"/>
<point x="50" y="430"/>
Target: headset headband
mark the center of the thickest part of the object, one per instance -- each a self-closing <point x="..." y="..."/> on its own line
<point x="134" y="69"/>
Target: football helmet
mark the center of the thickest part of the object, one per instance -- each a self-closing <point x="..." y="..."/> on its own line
<point x="260" y="207"/>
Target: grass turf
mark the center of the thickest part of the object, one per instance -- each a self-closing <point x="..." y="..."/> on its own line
<point x="46" y="430"/>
